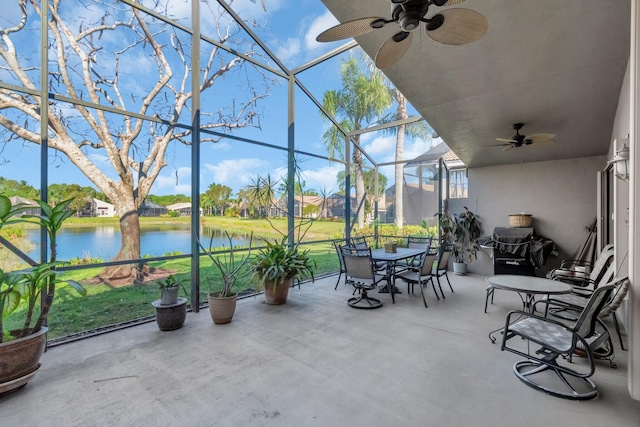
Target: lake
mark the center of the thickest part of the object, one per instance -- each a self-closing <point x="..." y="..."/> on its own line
<point x="103" y="241"/>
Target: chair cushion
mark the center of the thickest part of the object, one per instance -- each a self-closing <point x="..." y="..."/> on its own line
<point x="551" y="335"/>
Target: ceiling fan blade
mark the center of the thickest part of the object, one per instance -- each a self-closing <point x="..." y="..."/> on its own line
<point x="509" y="147"/>
<point x="393" y="49"/>
<point x="506" y="140"/>
<point x="496" y="145"/>
<point x="460" y="26"/>
<point x="354" y="28"/>
<point x="541" y="138"/>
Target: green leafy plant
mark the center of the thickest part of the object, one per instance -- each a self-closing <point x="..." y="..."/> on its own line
<point x="37" y="283"/>
<point x="30" y="286"/>
<point x="467" y="230"/>
<point x="231" y="267"/>
<point x="170" y="282"/>
<point x="278" y="262"/>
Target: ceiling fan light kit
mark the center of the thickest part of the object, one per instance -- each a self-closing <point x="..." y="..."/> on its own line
<point x="454" y="26"/>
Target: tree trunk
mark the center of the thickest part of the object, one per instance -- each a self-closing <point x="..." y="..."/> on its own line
<point x="401" y="114"/>
<point x="130" y="249"/>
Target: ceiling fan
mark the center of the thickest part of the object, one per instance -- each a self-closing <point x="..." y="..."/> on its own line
<point x="519" y="140"/>
<point x="455" y="26"/>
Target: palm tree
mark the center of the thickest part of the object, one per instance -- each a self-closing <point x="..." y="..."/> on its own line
<point x="416" y="130"/>
<point x="362" y="99"/>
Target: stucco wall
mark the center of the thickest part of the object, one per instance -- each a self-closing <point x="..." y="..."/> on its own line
<point x="561" y="196"/>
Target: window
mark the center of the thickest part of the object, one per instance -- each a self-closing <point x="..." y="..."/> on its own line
<point x="458" y="184"/>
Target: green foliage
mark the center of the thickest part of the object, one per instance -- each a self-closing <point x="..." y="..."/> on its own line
<point x="85" y="260"/>
<point x="230" y="267"/>
<point x="466" y="232"/>
<point x="168" y="199"/>
<point x="392" y="230"/>
<point x="217" y="197"/>
<point x="38" y="283"/>
<point x="80" y="195"/>
<point x="10" y="187"/>
<point x="169" y="282"/>
<point x="29" y="285"/>
<point x="231" y="212"/>
<point x="310" y="210"/>
<point x="278" y="262"/>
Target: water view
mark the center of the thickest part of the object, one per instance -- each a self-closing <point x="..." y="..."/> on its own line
<point x="103" y="241"/>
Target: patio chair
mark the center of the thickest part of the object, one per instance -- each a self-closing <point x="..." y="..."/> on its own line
<point x="359" y="242"/>
<point x="574" y="271"/>
<point x="420" y="275"/>
<point x="440" y="269"/>
<point x="340" y="261"/>
<point x="568" y="306"/>
<point x="418" y="243"/>
<point x="557" y="339"/>
<point x="360" y="273"/>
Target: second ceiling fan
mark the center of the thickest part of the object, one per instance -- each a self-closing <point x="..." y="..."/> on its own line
<point x="455" y="26"/>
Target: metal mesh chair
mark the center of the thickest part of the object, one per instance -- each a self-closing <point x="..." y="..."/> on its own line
<point x="420" y="275"/>
<point x="341" y="262"/>
<point x="415" y="243"/>
<point x="568" y="306"/>
<point x="440" y="269"/>
<point x="360" y="273"/>
<point x="542" y="370"/>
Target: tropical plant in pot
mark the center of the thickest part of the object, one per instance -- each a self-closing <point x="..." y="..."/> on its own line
<point x="26" y="296"/>
<point x="222" y="302"/>
<point x="467" y="230"/>
<point x="169" y="289"/>
<point x="276" y="265"/>
<point x="280" y="261"/>
<point x="171" y="311"/>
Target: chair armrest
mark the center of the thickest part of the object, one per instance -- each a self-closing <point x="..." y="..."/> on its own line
<point x="570" y="263"/>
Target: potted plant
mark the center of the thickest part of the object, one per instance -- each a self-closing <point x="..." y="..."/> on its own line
<point x="281" y="261"/>
<point x="169" y="288"/>
<point x="276" y="265"/>
<point x="466" y="232"/>
<point x="26" y="297"/>
<point x="171" y="311"/>
<point x="222" y="303"/>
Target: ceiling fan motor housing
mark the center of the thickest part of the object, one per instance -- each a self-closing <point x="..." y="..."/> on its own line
<point x="409" y="14"/>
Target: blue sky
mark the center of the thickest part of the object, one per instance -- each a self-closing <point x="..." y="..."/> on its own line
<point x="289" y="29"/>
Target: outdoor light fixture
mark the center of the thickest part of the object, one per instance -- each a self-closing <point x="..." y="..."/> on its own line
<point x="621" y="162"/>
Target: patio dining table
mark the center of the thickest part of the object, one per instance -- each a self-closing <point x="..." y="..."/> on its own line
<point x="391" y="258"/>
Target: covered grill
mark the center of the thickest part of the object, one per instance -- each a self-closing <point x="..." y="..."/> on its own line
<point x="517" y="250"/>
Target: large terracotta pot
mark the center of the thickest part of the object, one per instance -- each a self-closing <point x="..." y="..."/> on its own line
<point x="170" y="317"/>
<point x="20" y="360"/>
<point x="279" y="295"/>
<point x="222" y="308"/>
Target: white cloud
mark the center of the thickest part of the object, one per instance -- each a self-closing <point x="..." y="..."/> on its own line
<point x="236" y="173"/>
<point x="324" y="178"/>
<point x="317" y="26"/>
<point x="416" y="148"/>
<point x="381" y="145"/>
<point x="288" y="49"/>
<point x="174" y="182"/>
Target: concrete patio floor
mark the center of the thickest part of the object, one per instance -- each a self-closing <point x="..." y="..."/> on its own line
<point x="312" y="362"/>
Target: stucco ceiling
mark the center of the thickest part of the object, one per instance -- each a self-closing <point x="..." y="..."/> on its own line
<point x="556" y="66"/>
